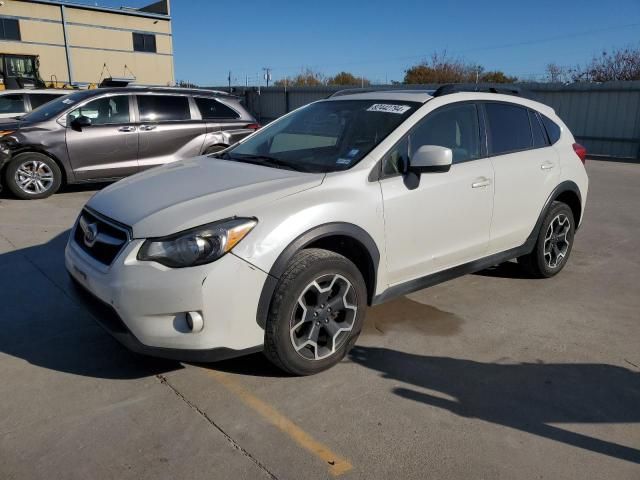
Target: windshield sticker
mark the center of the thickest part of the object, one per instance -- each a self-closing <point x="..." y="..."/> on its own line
<point x="343" y="161"/>
<point x="388" y="108"/>
<point x="353" y="152"/>
<point x="68" y="101"/>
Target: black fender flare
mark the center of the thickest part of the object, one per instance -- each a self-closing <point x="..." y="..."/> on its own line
<point x="316" y="233"/>
<point x="566" y="186"/>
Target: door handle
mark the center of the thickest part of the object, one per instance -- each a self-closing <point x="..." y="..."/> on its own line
<point x="481" y="182"/>
<point x="127" y="129"/>
<point x="146" y="128"/>
<point x="547" y="166"/>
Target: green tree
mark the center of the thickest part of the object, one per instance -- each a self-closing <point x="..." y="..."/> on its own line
<point x="306" y="78"/>
<point x="496" y="76"/>
<point x="346" y="78"/>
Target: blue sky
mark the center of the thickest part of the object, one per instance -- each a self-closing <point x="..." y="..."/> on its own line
<point x="380" y="39"/>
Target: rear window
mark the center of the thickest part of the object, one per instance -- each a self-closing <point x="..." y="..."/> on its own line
<point x="509" y="129"/>
<point x="12" y="103"/>
<point x="211" y="109"/>
<point x="163" y="108"/>
<point x="553" y="130"/>
<point x="38" y="99"/>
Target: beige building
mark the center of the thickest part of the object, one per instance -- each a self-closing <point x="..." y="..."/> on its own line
<point x="82" y="44"/>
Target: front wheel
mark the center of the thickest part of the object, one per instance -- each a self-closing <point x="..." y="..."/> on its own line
<point x="32" y="175"/>
<point x="553" y="244"/>
<point x="316" y="313"/>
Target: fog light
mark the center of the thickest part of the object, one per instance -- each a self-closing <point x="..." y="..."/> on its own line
<point x="194" y="321"/>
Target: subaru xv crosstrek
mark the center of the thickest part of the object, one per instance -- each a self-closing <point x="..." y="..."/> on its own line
<point x="280" y="243"/>
<point x="109" y="133"/>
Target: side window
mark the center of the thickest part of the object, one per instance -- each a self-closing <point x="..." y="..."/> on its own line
<point x="13" y="103"/>
<point x="508" y="128"/>
<point x="396" y="160"/>
<point x="553" y="130"/>
<point x="539" y="137"/>
<point x="38" y="99"/>
<point x="211" y="109"/>
<point x="455" y="127"/>
<point x="144" y="42"/>
<point x="9" y="29"/>
<point x="163" y="108"/>
<point x="105" y="111"/>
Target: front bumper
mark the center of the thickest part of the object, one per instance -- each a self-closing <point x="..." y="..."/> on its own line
<point x="143" y="304"/>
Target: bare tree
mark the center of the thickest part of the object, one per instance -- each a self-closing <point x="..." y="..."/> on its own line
<point x="555" y="73"/>
<point x="620" y="64"/>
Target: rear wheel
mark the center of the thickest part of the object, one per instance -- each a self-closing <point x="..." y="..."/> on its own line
<point x="33" y="175"/>
<point x="553" y="245"/>
<point x="316" y="313"/>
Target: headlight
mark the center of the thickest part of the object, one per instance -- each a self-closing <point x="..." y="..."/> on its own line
<point x="198" y="245"/>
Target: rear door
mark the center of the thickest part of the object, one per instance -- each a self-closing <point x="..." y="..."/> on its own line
<point x="526" y="172"/>
<point x="170" y="129"/>
<point x="109" y="147"/>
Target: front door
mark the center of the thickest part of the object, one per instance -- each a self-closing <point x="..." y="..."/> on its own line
<point x="444" y="220"/>
<point x="168" y="131"/>
<point x="108" y="148"/>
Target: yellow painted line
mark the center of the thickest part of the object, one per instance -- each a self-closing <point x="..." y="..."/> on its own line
<point x="338" y="464"/>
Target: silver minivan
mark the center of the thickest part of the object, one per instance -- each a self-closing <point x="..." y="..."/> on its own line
<point x="109" y="133"/>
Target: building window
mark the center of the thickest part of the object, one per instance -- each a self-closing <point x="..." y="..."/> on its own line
<point x="143" y="42"/>
<point x="10" y="29"/>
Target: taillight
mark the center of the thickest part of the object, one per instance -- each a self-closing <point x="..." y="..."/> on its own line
<point x="580" y="151"/>
<point x="253" y="126"/>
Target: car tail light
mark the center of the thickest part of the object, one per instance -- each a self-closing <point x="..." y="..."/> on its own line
<point x="253" y="126"/>
<point x="580" y="151"/>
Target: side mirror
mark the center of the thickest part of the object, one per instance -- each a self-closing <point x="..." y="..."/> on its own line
<point x="80" y="122"/>
<point x="431" y="158"/>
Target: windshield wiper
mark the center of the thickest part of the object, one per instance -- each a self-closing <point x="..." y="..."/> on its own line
<point x="261" y="160"/>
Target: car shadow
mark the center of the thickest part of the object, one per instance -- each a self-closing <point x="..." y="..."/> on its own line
<point x="531" y="397"/>
<point x="43" y="322"/>
<point x="505" y="270"/>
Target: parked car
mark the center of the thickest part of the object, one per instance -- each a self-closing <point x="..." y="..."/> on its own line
<point x="15" y="103"/>
<point x="281" y="242"/>
<point x="109" y="133"/>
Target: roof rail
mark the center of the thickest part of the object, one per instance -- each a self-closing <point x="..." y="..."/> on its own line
<point x="401" y="89"/>
<point x="476" y="87"/>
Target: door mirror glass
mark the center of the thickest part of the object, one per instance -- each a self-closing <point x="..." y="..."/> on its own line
<point x="431" y="158"/>
<point x="81" y="122"/>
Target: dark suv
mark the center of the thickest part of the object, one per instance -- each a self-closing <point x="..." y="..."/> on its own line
<point x="109" y="133"/>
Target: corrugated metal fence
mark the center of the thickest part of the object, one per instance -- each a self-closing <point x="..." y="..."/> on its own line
<point x="603" y="117"/>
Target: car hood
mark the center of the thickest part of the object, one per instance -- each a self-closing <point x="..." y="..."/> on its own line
<point x="186" y="194"/>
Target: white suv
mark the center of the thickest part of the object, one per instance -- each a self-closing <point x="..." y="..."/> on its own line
<point x="280" y="242"/>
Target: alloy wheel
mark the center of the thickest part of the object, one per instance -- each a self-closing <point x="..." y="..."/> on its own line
<point x="34" y="177"/>
<point x="557" y="241"/>
<point x="323" y="317"/>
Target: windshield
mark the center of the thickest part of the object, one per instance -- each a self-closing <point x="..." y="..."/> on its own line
<point x="55" y="107"/>
<point x="324" y="136"/>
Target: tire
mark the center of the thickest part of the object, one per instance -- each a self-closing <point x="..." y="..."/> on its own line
<point x="553" y="245"/>
<point x="42" y="174"/>
<point x="301" y="313"/>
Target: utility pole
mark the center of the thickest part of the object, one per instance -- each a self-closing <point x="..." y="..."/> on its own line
<point x="229" y="80"/>
<point x="267" y="74"/>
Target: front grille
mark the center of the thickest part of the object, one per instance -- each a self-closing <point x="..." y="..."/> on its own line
<point x="101" y="238"/>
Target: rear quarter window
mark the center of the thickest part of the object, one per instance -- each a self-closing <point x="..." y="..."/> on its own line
<point x="211" y="109"/>
<point x="552" y="128"/>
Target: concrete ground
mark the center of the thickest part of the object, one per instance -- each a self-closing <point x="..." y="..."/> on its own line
<point x="488" y="376"/>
